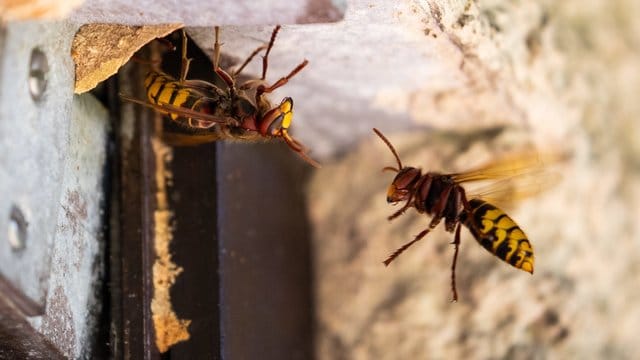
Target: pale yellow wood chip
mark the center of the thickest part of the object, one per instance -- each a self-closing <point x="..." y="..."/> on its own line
<point x="99" y="50"/>
<point x="168" y="327"/>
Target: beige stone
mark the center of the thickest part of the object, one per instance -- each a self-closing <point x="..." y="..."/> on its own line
<point x="557" y="75"/>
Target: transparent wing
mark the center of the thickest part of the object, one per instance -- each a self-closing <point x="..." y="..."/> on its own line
<point x="201" y="85"/>
<point x="517" y="164"/>
<point x="183" y="112"/>
<point x="513" y="178"/>
<point x="505" y="193"/>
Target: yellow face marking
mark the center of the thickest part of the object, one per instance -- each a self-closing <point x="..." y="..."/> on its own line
<point x="286" y="121"/>
<point x="286" y="107"/>
<point x="391" y="191"/>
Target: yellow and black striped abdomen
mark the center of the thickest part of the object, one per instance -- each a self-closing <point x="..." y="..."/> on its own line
<point x="499" y="234"/>
<point x="163" y="89"/>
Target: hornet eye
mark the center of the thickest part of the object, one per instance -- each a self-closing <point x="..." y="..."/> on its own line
<point x="276" y="125"/>
<point x="405" y="178"/>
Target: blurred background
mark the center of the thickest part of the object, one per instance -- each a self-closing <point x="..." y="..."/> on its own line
<point x="452" y="84"/>
<point x="559" y="75"/>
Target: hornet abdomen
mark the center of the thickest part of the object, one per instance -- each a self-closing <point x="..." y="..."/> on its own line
<point x="499" y="234"/>
<point x="163" y="89"/>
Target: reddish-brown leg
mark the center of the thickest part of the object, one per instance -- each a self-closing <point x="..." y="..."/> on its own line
<point x="282" y="81"/>
<point x="184" y="69"/>
<point x="216" y="62"/>
<point x="437" y="216"/>
<point x="265" y="65"/>
<point x="404" y="247"/>
<point x="216" y="49"/>
<point x="463" y="197"/>
<point x="247" y="61"/>
<point x="456" y="243"/>
<point x="402" y="209"/>
<point x="265" y="58"/>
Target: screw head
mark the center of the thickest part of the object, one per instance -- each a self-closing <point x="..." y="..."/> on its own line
<point x="38" y="68"/>
<point x="17" y="229"/>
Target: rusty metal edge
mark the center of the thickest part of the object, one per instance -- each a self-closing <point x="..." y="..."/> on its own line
<point x="21" y="301"/>
<point x="18" y="340"/>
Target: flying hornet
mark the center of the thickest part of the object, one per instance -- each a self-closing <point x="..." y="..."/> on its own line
<point x="442" y="197"/>
<point x="207" y="112"/>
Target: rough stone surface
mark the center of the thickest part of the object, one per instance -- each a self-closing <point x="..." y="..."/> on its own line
<point x="400" y="64"/>
<point x="556" y="75"/>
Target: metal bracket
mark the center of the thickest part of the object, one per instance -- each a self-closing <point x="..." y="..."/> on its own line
<point x="52" y="159"/>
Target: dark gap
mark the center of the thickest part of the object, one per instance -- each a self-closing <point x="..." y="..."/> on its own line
<point x="254" y="299"/>
<point x="192" y="199"/>
<point x="102" y="343"/>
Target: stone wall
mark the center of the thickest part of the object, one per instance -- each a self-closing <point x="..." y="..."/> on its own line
<point x="560" y="76"/>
